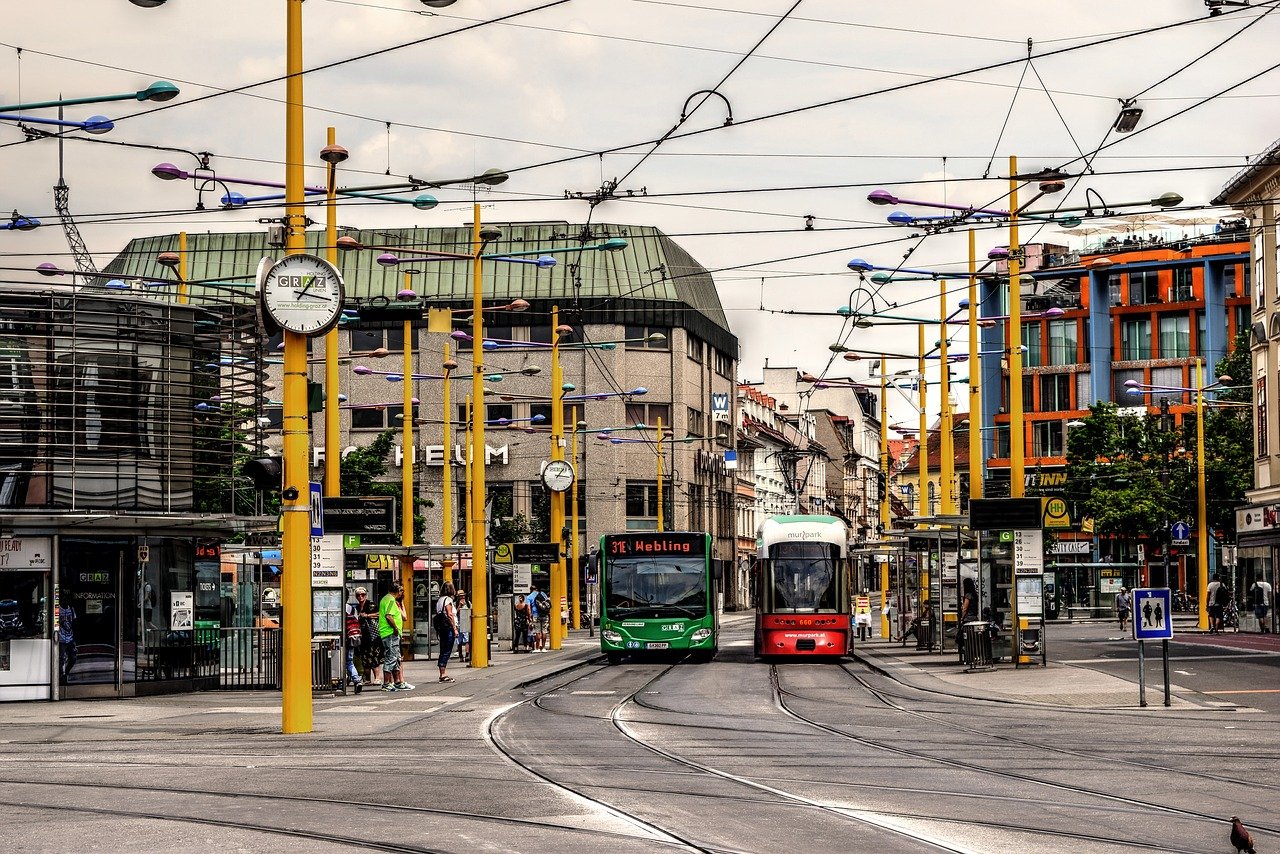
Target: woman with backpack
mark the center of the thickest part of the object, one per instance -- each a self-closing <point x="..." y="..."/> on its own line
<point x="446" y="627"/>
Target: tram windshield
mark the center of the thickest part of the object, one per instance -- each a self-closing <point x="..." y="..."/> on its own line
<point x="803" y="576"/>
<point x="666" y="586"/>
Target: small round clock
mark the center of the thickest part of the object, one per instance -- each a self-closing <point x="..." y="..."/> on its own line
<point x="557" y="475"/>
<point x="303" y="294"/>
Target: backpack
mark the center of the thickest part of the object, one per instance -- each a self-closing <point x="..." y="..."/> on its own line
<point x="440" y="620"/>
<point x="543" y="603"/>
<point x="1222" y="595"/>
<point x="354" y="634"/>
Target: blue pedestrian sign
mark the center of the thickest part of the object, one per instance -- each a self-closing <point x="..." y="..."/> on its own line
<point x="1152" y="617"/>
<point x="1180" y="534"/>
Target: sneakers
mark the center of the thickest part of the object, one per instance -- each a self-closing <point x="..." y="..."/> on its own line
<point x="389" y="688"/>
<point x="359" y="687"/>
<point x="404" y="686"/>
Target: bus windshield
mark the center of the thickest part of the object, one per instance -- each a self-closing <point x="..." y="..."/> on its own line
<point x="656" y="586"/>
<point x="802" y="576"/>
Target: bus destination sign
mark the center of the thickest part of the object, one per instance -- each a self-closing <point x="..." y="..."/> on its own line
<point x="653" y="543"/>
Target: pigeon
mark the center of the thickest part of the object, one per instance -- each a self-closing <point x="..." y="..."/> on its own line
<point x="1241" y="838"/>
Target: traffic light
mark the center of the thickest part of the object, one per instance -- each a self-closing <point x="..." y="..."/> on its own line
<point x="267" y="473"/>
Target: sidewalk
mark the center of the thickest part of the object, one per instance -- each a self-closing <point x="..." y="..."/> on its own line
<point x="241" y="713"/>
<point x="1059" y="685"/>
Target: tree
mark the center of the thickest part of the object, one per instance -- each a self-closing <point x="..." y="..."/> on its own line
<point x="364" y="473"/>
<point x="1228" y="440"/>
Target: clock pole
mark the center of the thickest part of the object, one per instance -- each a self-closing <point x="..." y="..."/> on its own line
<point x="557" y="496"/>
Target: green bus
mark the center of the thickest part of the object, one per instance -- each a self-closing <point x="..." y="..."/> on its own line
<point x="657" y="593"/>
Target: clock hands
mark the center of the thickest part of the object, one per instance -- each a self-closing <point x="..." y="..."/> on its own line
<point x="303" y="293"/>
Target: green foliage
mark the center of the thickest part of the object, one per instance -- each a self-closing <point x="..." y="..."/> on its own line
<point x="1135" y="474"/>
<point x="364" y="473"/>
<point x="506" y="526"/>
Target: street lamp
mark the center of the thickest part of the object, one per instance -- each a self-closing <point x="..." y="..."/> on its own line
<point x="158" y="92"/>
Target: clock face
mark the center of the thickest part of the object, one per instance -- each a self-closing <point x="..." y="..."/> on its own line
<point x="303" y="294"/>
<point x="557" y="475"/>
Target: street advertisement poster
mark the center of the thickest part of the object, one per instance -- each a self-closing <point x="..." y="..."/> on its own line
<point x="326" y="612"/>
<point x="182" y="610"/>
<point x="1030" y="595"/>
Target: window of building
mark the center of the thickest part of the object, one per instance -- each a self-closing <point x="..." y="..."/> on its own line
<point x="637" y="337"/>
<point x="1120" y="392"/>
<point x="697" y="507"/>
<point x="642" y="505"/>
<point x="1175" y="337"/>
<point x="648" y="414"/>
<point x="376" y="417"/>
<point x="1241" y="313"/>
<point x="498" y="411"/>
<point x="724" y="365"/>
<point x="1182" y="285"/>
<point x="1144" y="287"/>
<point x="502" y="501"/>
<point x="1230" y="280"/>
<point x="364" y="340"/>
<point x="1031" y="356"/>
<point x="1200" y="333"/>
<point x="693" y="347"/>
<point x="1084" y="390"/>
<point x="1259" y="273"/>
<point x="1046" y="438"/>
<point x="1055" y="392"/>
<point x="1062" y="342"/>
<point x="1002" y="440"/>
<point x="1113" y="289"/>
<point x="696" y="423"/>
<point x="1260" y="398"/>
<point x="1135" y="339"/>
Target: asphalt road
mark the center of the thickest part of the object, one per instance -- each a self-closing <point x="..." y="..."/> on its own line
<point x="732" y="756"/>
<point x="1243" y="668"/>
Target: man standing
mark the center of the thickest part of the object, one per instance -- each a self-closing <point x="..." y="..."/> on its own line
<point x="539" y="616"/>
<point x="1214" y="596"/>
<point x="1261" y="592"/>
<point x="390" y="627"/>
<point x="1123" y="605"/>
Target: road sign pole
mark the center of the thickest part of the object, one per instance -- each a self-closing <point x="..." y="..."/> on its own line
<point x="1164" y="656"/>
<point x="1142" y="674"/>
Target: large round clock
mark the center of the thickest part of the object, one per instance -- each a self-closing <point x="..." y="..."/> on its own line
<point x="557" y="475"/>
<point x="303" y="294"/>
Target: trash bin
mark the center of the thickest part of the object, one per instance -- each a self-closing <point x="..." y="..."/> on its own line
<point x="976" y="638"/>
<point x="924" y="635"/>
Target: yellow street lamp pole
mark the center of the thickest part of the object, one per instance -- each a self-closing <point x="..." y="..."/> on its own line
<point x="575" y="557"/>
<point x="557" y="592"/>
<point x="1202" y="512"/>
<point x="479" y="555"/>
<point x="333" y="155"/>
<point x="660" y="515"/>
<point x="446" y="478"/>
<point x="884" y="493"/>
<point x="406" y="482"/>
<point x="946" y="442"/>
<point x="1017" y="425"/>
<point x="295" y="583"/>
<point x="922" y="450"/>
<point x="975" y="378"/>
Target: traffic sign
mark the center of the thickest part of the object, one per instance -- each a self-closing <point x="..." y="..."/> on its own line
<point x="1180" y="534"/>
<point x="317" y="510"/>
<point x="1152" y="613"/>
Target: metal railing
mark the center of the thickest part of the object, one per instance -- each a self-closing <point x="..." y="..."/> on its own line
<point x="250" y="658"/>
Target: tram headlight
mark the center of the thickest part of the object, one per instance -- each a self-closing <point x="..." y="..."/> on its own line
<point x="700" y="635"/>
<point x="611" y="636"/>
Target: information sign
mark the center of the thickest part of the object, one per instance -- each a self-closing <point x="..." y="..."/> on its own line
<point x="181" y="610"/>
<point x="1028" y="552"/>
<point x="521" y="578"/>
<point x="1152" y="618"/>
<point x="327" y="559"/>
<point x="317" y="510"/>
<point x="1180" y="534"/>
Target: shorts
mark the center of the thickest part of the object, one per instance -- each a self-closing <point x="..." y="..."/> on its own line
<point x="1260" y="611"/>
<point x="544" y="624"/>
<point x="391" y="652"/>
<point x="464" y="637"/>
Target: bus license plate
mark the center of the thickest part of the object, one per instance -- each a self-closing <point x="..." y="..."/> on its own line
<point x="658" y="645"/>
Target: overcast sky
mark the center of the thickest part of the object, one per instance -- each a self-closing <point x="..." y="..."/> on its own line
<point x="543" y="93"/>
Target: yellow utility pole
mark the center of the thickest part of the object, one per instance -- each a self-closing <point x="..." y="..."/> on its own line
<point x="446" y="477"/>
<point x="975" y="378"/>
<point x="1202" y="507"/>
<point x="295" y="582"/>
<point x="557" y="592"/>
<point x="660" y="515"/>
<point x="922" y="451"/>
<point x="946" y="442"/>
<point x="574" y="554"/>
<point x="1017" y="425"/>
<point x="479" y="548"/>
<point x="884" y="494"/>
<point x="332" y="450"/>
<point x="406" y="485"/>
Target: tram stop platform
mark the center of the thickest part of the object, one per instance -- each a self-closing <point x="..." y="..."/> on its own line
<point x="1055" y="684"/>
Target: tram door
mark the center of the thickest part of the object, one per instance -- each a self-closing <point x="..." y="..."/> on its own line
<point x="97" y="587"/>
